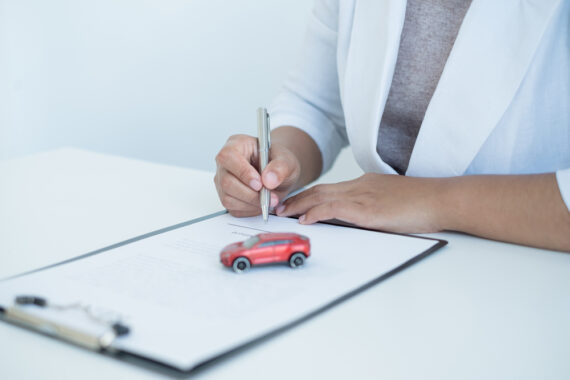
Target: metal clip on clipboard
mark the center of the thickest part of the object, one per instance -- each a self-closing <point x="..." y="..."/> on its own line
<point x="19" y="314"/>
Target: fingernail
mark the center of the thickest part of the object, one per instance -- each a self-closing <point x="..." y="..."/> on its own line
<point x="301" y="218"/>
<point x="255" y="184"/>
<point x="274" y="200"/>
<point x="271" y="180"/>
<point x="280" y="209"/>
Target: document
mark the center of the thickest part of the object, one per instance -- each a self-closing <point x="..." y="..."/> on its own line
<point x="184" y="307"/>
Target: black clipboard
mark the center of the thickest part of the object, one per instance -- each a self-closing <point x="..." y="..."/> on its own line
<point x="163" y="368"/>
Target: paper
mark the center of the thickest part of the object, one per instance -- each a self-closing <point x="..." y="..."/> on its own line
<point x="184" y="306"/>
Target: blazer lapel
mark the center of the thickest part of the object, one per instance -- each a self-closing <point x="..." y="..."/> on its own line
<point x="492" y="52"/>
<point x="372" y="54"/>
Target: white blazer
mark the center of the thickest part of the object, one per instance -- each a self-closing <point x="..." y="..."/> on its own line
<point x="502" y="105"/>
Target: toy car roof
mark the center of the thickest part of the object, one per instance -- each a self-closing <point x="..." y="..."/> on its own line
<point x="280" y="235"/>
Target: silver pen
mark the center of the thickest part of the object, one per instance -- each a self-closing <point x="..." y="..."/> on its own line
<point x="264" y="144"/>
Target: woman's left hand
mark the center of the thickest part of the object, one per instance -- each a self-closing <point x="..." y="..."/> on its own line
<point x="378" y="201"/>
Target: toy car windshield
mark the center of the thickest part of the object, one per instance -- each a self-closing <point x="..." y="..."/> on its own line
<point x="251" y="242"/>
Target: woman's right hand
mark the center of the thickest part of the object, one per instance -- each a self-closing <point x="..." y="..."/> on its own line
<point x="238" y="181"/>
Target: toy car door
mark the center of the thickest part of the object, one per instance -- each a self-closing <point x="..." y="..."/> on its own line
<point x="282" y="250"/>
<point x="263" y="253"/>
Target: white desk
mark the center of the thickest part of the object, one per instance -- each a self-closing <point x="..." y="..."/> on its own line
<point x="476" y="309"/>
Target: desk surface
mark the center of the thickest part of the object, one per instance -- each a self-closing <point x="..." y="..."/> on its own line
<point x="476" y="309"/>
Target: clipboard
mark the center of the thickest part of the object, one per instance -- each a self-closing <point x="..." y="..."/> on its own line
<point x="108" y="334"/>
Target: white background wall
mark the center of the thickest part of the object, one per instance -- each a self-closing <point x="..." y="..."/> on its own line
<point x="161" y="80"/>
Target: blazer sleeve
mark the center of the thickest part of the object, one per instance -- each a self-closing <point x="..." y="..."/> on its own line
<point x="310" y="97"/>
<point x="563" y="178"/>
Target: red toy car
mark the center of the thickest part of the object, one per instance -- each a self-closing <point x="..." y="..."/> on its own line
<point x="265" y="249"/>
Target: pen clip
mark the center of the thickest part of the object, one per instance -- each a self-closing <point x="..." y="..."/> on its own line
<point x="268" y="130"/>
<point x="263" y="130"/>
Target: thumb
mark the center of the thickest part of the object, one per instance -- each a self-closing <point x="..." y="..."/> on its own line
<point x="278" y="171"/>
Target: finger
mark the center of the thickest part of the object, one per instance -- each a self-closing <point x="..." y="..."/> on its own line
<point x="277" y="172"/>
<point x="331" y="189"/>
<point x="321" y="188"/>
<point x="349" y="212"/>
<point x="243" y="214"/>
<point x="232" y="186"/>
<point x="274" y="199"/>
<point x="301" y="203"/>
<point x="234" y="162"/>
<point x="236" y="205"/>
<point x="315" y="195"/>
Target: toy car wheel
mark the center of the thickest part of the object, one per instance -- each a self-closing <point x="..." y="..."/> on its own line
<point x="241" y="264"/>
<point x="297" y="259"/>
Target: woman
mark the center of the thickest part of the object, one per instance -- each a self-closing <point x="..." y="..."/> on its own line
<point x="469" y="101"/>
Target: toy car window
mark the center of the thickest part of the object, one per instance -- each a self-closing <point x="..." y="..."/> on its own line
<point x="251" y="242"/>
<point x="267" y="244"/>
<point x="278" y="242"/>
